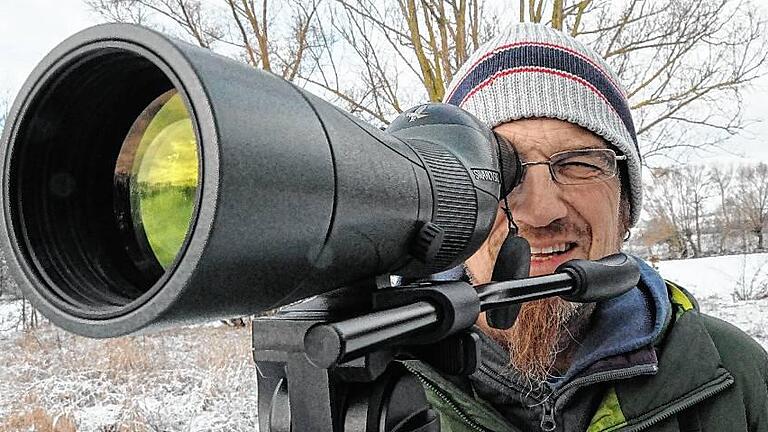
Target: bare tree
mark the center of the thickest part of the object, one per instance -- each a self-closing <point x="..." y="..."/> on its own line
<point x="680" y="60"/>
<point x="685" y="63"/>
<point x="676" y="202"/>
<point x="429" y="40"/>
<point x="664" y="203"/>
<point x="245" y="29"/>
<point x="753" y="198"/>
<point x="660" y="230"/>
<point x="721" y="179"/>
<point x="367" y="85"/>
<point x="698" y="188"/>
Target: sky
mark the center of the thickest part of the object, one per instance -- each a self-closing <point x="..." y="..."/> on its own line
<point x="31" y="28"/>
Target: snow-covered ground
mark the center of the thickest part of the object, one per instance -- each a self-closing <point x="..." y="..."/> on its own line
<point x="192" y="379"/>
<point x="203" y="379"/>
<point x="714" y="281"/>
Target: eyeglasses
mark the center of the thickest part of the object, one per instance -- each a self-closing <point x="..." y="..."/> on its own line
<point x="583" y="166"/>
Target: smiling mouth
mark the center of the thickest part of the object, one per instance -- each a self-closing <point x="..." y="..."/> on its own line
<point x="545" y="253"/>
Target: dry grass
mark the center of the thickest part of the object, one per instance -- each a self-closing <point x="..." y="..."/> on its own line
<point x="37" y="419"/>
<point x="222" y="358"/>
<point x="29" y="342"/>
<point x="131" y="422"/>
<point x="195" y="379"/>
<point x="127" y="354"/>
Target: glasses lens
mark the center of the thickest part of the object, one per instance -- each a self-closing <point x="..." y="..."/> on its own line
<point x="156" y="182"/>
<point x="584" y="166"/>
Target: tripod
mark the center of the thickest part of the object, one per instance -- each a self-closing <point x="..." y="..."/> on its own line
<point x="329" y="364"/>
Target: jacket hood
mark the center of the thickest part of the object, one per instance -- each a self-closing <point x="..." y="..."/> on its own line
<point x="624" y="325"/>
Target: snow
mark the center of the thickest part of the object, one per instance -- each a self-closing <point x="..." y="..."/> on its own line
<point x="202" y="378"/>
<point x="10" y="318"/>
<point x="715" y="276"/>
<point x="192" y="379"/>
<point x="713" y="281"/>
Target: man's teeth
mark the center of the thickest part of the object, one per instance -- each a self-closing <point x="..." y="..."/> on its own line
<point x="560" y="247"/>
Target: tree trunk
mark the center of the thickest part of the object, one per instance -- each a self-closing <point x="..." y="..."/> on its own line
<point x="557" y="14"/>
<point x="698" y="231"/>
<point x="432" y="81"/>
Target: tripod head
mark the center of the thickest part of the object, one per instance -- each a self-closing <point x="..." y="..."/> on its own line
<point x="336" y="351"/>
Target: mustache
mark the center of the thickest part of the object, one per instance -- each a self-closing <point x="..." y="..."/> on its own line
<point x="554" y="228"/>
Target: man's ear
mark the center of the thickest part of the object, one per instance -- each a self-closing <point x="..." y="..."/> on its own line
<point x="625" y="208"/>
<point x="624" y="215"/>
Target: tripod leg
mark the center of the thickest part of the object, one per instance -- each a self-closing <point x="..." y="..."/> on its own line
<point x="302" y="403"/>
<point x="312" y="395"/>
<point x="395" y="402"/>
<point x="270" y="380"/>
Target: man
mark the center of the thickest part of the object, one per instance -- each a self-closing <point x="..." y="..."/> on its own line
<point x="647" y="360"/>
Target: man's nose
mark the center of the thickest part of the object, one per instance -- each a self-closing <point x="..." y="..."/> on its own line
<point x="538" y="200"/>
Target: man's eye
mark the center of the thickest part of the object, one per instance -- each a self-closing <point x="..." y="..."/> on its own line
<point x="578" y="169"/>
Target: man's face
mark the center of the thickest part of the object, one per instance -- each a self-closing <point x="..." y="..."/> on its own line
<point x="561" y="222"/>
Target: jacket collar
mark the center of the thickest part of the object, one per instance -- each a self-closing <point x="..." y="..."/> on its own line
<point x="643" y="398"/>
<point x="624" y="329"/>
<point x="682" y="378"/>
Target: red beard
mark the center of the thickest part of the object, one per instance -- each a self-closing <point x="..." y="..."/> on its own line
<point x="536" y="338"/>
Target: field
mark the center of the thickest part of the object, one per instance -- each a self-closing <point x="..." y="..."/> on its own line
<point x="191" y="379"/>
<point x="202" y="378"/>
<point x="714" y="282"/>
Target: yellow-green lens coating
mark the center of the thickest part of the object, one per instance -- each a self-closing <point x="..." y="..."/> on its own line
<point x="160" y="157"/>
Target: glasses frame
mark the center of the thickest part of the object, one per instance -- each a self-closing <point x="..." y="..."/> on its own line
<point x="553" y="176"/>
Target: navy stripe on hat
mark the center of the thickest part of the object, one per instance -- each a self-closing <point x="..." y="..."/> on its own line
<point x="550" y="57"/>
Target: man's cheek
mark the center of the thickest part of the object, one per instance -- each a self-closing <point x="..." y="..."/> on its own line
<point x="603" y="233"/>
<point x="498" y="234"/>
<point x="480" y="265"/>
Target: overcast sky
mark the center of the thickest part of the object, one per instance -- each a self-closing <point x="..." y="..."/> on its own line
<point x="31" y="28"/>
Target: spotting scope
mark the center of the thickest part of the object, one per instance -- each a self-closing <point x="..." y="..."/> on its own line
<point x="148" y="182"/>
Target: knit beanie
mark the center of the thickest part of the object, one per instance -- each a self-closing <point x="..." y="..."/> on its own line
<point x="531" y="70"/>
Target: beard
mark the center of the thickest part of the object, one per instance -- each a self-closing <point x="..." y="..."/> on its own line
<point x="543" y="329"/>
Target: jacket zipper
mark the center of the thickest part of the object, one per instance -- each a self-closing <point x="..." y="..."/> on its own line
<point x="676" y="408"/>
<point x="503" y="380"/>
<point x="561" y="397"/>
<point x="445" y="399"/>
<point x="564" y="394"/>
<point x="548" y="423"/>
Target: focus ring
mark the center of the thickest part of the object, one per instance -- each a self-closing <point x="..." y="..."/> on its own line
<point x="455" y="204"/>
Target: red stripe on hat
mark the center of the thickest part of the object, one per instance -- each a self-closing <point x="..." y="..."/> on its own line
<point x="544" y="44"/>
<point x="555" y="72"/>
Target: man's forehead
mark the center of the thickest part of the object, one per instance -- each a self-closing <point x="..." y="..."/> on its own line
<point x="544" y="137"/>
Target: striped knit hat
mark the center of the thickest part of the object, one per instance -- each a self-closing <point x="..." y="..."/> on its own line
<point x="532" y="70"/>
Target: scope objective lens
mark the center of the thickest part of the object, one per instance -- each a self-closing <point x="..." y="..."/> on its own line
<point x="156" y="180"/>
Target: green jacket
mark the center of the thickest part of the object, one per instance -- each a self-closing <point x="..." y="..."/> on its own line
<point x="710" y="377"/>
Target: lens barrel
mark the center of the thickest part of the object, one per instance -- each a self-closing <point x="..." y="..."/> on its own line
<point x="291" y="197"/>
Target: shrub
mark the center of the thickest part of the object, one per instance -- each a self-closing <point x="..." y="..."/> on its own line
<point x="752" y="286"/>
